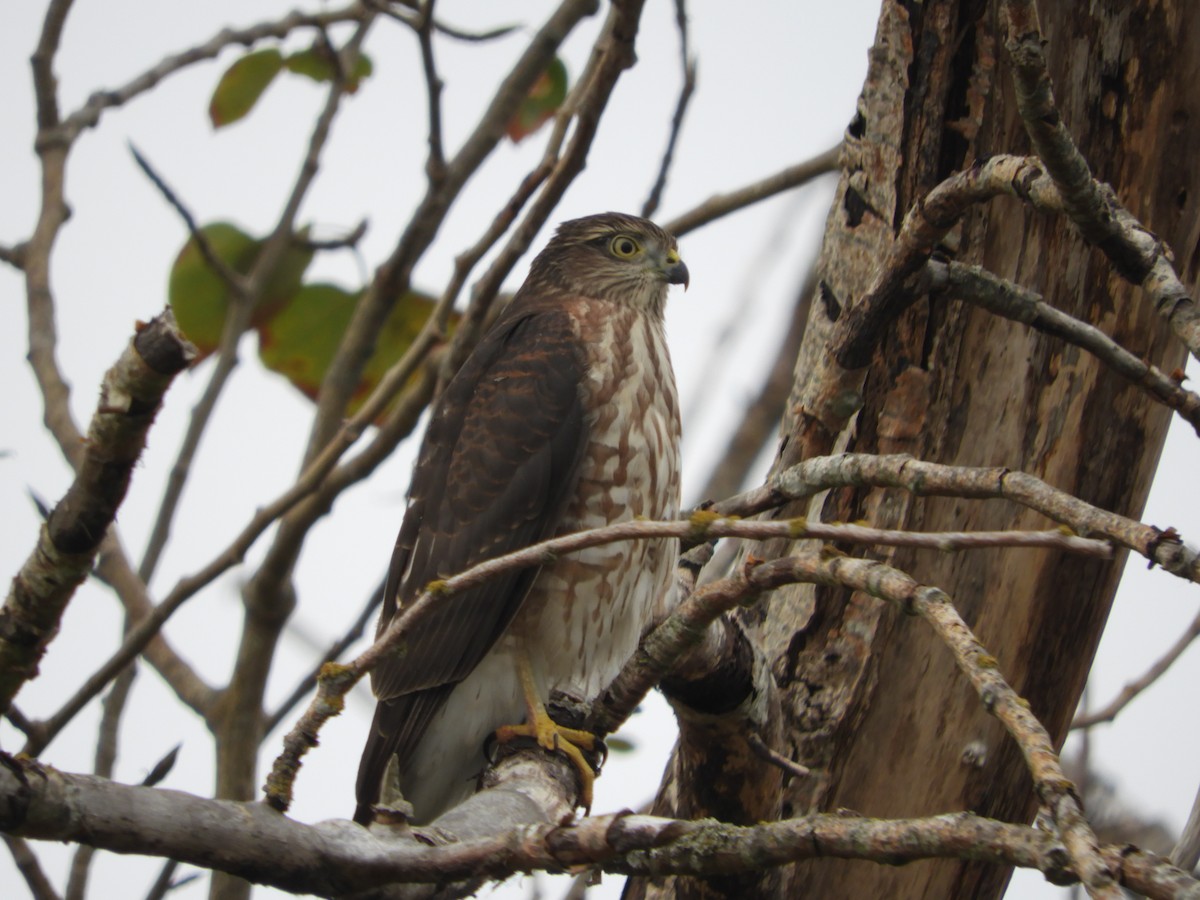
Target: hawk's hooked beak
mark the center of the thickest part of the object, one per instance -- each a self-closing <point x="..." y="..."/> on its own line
<point x="676" y="270"/>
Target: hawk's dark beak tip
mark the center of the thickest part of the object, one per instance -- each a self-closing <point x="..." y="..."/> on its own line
<point x="678" y="274"/>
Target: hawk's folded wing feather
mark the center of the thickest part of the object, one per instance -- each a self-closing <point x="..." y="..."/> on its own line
<point x="499" y="463"/>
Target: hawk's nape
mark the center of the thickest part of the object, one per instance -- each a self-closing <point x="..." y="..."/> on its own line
<point x="564" y="418"/>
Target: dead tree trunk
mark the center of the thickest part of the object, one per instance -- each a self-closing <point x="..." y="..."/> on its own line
<point x="871" y="701"/>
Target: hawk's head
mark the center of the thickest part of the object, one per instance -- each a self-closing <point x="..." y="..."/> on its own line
<point x="612" y="256"/>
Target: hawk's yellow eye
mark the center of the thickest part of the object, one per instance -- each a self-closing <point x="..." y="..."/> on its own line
<point x="623" y="246"/>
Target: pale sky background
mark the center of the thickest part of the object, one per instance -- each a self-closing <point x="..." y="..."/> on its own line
<point x="777" y="84"/>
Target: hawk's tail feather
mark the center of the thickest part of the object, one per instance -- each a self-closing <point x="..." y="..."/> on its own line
<point x="398" y="725"/>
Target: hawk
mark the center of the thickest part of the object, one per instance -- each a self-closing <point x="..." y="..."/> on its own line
<point x="563" y="418"/>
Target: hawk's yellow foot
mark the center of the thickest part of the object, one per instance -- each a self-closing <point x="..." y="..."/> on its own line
<point x="550" y="735"/>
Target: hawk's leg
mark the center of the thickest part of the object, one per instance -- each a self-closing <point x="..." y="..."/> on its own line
<point x="548" y="733"/>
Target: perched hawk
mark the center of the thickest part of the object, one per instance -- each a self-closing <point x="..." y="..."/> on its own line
<point x="564" y="418"/>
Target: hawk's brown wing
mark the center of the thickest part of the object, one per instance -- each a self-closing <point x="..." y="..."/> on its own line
<point x="499" y="463"/>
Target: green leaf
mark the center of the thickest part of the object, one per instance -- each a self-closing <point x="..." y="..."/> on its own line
<point x="300" y="340"/>
<point x="315" y="63"/>
<point x="200" y="298"/>
<point x="545" y="97"/>
<point x="242" y="85"/>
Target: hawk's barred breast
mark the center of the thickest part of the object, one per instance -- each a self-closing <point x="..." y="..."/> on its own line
<point x="563" y="418"/>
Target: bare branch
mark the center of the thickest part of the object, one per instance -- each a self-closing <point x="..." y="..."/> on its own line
<point x="353" y="633"/>
<point x="1162" y="547"/>
<point x="435" y="165"/>
<point x="232" y="280"/>
<point x="1137" y="686"/>
<point x="723" y="204"/>
<point x="974" y="285"/>
<point x="39" y="885"/>
<point x="688" y="67"/>
<point x="337" y="857"/>
<point x="129" y="399"/>
<point x="1053" y="787"/>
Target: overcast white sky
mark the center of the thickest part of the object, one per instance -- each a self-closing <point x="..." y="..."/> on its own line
<point x="776" y="85"/>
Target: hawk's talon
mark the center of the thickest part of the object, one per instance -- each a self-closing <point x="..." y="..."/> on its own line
<point x="551" y="736"/>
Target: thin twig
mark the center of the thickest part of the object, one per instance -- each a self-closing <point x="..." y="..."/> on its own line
<point x="688" y="67"/>
<point x="89" y="114"/>
<point x="309" y="681"/>
<point x="720" y="205"/>
<point x="39" y="885"/>
<point x="1137" y="686"/>
<point x="237" y="321"/>
<point x="163" y="884"/>
<point x="412" y="20"/>
<point x="52" y="153"/>
<point x="349" y="241"/>
<point x="435" y="165"/>
<point x="232" y="280"/>
<point x="14" y="256"/>
<point x="776" y="759"/>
